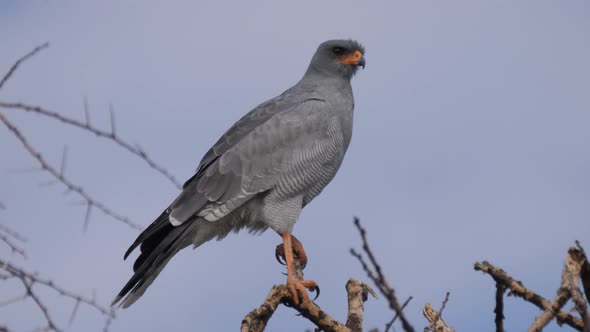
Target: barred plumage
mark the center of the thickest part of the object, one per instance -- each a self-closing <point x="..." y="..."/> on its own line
<point x="263" y="170"/>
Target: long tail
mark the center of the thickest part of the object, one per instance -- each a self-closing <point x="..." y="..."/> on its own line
<point x="158" y="243"/>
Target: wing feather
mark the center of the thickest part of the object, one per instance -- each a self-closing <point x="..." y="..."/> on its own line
<point x="251" y="165"/>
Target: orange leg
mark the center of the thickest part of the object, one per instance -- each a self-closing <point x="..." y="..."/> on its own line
<point x="298" y="252"/>
<point x="296" y="287"/>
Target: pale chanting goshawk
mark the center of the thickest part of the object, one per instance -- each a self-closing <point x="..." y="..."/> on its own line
<point x="261" y="172"/>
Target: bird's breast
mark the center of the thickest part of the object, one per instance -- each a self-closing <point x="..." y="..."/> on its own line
<point x="316" y="163"/>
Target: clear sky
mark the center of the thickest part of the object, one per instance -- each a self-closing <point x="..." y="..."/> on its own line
<point x="471" y="142"/>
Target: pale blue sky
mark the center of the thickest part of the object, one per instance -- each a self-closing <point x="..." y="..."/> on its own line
<point x="471" y="142"/>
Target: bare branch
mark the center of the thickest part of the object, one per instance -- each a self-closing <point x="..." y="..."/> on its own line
<point x="256" y="320"/>
<point x="378" y="278"/>
<point x="13" y="247"/>
<point x="499" y="309"/>
<point x="110" y="135"/>
<point x="29" y="279"/>
<point x="585" y="271"/>
<point x="19" y="61"/>
<point x="9" y="237"/>
<point x="50" y="323"/>
<point x="90" y="201"/>
<point x="390" y="323"/>
<point x="358" y="294"/>
<point x="518" y="289"/>
<point x="572" y="273"/>
<point x="436" y="323"/>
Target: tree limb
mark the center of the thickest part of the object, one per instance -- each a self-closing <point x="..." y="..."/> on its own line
<point x="378" y="278"/>
<point x="499" y="309"/>
<point x="110" y="135"/>
<point x="59" y="176"/>
<point x="29" y="279"/>
<point x="20" y="61"/>
<point x="518" y="289"/>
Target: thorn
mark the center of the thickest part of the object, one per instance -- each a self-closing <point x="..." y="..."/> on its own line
<point x="74" y="311"/>
<point x="87" y="217"/>
<point x="112" y="112"/>
<point x="86" y="111"/>
<point x="64" y="158"/>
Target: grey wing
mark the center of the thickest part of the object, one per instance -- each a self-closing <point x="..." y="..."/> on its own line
<point x="259" y="115"/>
<point x="248" y="166"/>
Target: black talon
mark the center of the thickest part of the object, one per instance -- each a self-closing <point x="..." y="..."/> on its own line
<point x="316" y="289"/>
<point x="288" y="304"/>
<point x="279" y="257"/>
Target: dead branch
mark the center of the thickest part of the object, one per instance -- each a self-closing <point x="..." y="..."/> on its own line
<point x="59" y="176"/>
<point x="499" y="309"/>
<point x="358" y="293"/>
<point x="558" y="302"/>
<point x="256" y="320"/>
<point x="585" y="270"/>
<point x="29" y="280"/>
<point x="518" y="289"/>
<point x="437" y="324"/>
<point x="87" y="126"/>
<point x="378" y="278"/>
<point x="390" y="323"/>
<point x="572" y="273"/>
<point x="19" y="62"/>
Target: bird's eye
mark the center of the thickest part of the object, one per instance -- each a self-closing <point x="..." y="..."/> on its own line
<point x="338" y="50"/>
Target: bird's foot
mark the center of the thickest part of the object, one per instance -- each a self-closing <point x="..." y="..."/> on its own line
<point x="298" y="253"/>
<point x="298" y="289"/>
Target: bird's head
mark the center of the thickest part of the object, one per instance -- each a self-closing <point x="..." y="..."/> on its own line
<point x="338" y="57"/>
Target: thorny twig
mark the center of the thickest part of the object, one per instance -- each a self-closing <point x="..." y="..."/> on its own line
<point x="112" y="135"/>
<point x="378" y="278"/>
<point x="19" y="61"/>
<point x="87" y="126"/>
<point x="89" y="200"/>
<point x="29" y="279"/>
<point x="9" y="237"/>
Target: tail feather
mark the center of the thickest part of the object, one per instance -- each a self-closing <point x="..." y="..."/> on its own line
<point x="158" y="243"/>
<point x="160" y="223"/>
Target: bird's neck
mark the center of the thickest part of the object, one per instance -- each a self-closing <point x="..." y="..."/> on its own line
<point x="313" y="79"/>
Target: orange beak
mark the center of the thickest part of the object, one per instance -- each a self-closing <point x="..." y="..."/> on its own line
<point x="355" y="58"/>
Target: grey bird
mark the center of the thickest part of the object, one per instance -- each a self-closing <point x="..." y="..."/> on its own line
<point x="262" y="172"/>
